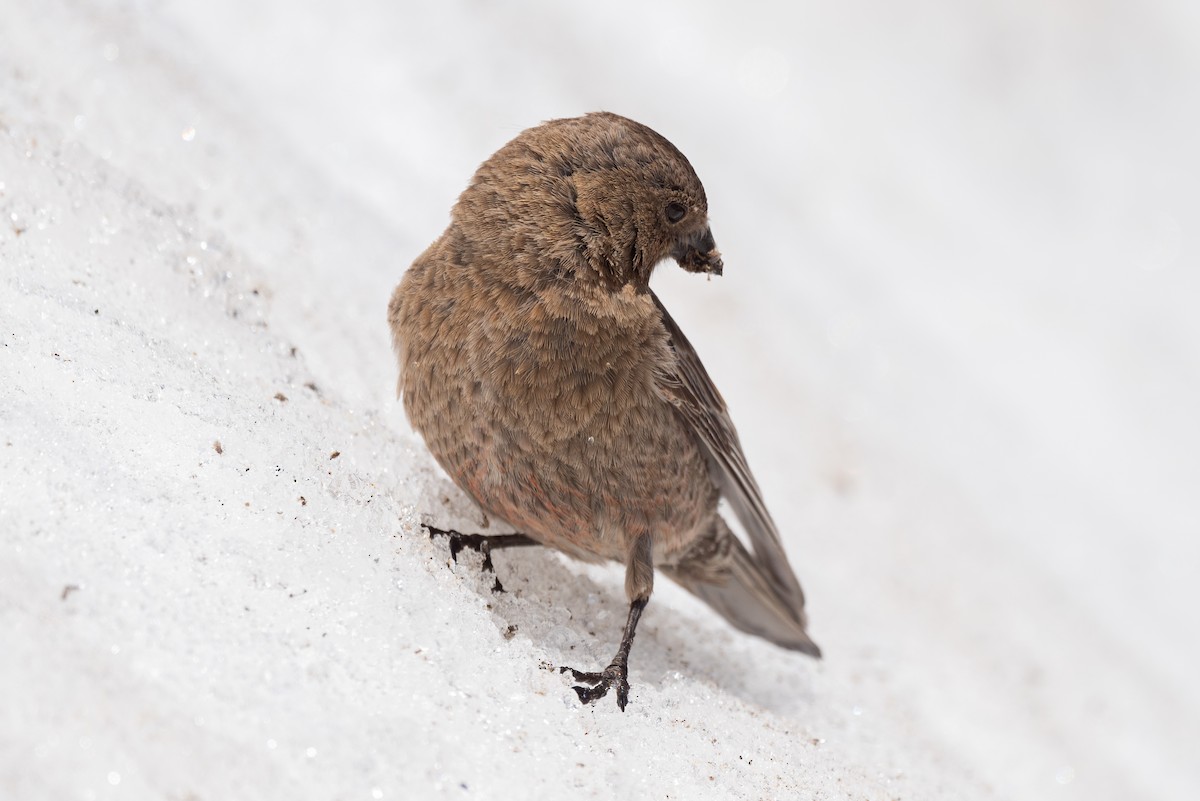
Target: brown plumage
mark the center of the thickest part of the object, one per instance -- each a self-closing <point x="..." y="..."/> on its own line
<point x="552" y="386"/>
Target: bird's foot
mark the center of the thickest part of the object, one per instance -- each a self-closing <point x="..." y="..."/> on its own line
<point x="615" y="676"/>
<point x="482" y="544"/>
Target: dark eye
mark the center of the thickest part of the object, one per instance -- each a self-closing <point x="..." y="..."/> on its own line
<point x="675" y="212"/>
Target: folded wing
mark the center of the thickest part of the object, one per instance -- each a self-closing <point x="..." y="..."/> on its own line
<point x="762" y="595"/>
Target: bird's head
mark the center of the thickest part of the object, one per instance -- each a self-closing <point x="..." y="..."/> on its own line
<point x="599" y="196"/>
<point x="638" y="202"/>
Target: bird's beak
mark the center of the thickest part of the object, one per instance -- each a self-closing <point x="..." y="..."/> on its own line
<point x="697" y="253"/>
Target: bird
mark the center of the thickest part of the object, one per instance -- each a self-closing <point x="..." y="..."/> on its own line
<point x="553" y="387"/>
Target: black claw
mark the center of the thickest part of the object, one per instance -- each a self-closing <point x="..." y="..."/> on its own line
<point x="591" y="694"/>
<point x="486" y="550"/>
<point x="585" y="694"/>
<point x="459" y="541"/>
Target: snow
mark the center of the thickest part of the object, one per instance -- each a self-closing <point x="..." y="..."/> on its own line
<point x="957" y="330"/>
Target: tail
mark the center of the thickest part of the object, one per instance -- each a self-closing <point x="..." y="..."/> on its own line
<point x="750" y="599"/>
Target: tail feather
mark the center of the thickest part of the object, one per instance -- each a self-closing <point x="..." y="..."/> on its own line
<point x="749" y="600"/>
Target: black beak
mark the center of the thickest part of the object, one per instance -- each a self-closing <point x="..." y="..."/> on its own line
<point x="697" y="253"/>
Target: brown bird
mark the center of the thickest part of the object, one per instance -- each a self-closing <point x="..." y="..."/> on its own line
<point x="552" y="385"/>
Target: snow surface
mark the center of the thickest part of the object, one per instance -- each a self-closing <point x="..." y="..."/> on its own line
<point x="957" y="329"/>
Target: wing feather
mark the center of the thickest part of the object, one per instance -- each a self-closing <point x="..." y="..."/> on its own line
<point x="687" y="386"/>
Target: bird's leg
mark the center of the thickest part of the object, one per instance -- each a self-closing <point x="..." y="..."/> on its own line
<point x="482" y="544"/>
<point x="615" y="675"/>
<point x="639" y="582"/>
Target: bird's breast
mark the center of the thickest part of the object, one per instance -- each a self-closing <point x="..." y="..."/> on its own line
<point x="542" y="405"/>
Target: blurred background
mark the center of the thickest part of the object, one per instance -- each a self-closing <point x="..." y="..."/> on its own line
<point x="958" y="327"/>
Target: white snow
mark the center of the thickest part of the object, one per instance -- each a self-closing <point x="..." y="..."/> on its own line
<point x="958" y="332"/>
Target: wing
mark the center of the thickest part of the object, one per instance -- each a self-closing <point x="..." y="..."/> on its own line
<point x="687" y="386"/>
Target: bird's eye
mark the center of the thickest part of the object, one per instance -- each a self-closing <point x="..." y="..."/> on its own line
<point x="675" y="212"/>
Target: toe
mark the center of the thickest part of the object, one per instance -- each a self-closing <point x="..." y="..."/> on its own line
<point x="622" y="694"/>
<point x="590" y="695"/>
<point x="579" y="675"/>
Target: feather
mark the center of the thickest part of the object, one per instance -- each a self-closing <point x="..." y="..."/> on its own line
<point x="762" y="581"/>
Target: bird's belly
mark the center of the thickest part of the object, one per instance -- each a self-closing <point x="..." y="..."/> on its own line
<point x="594" y="493"/>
